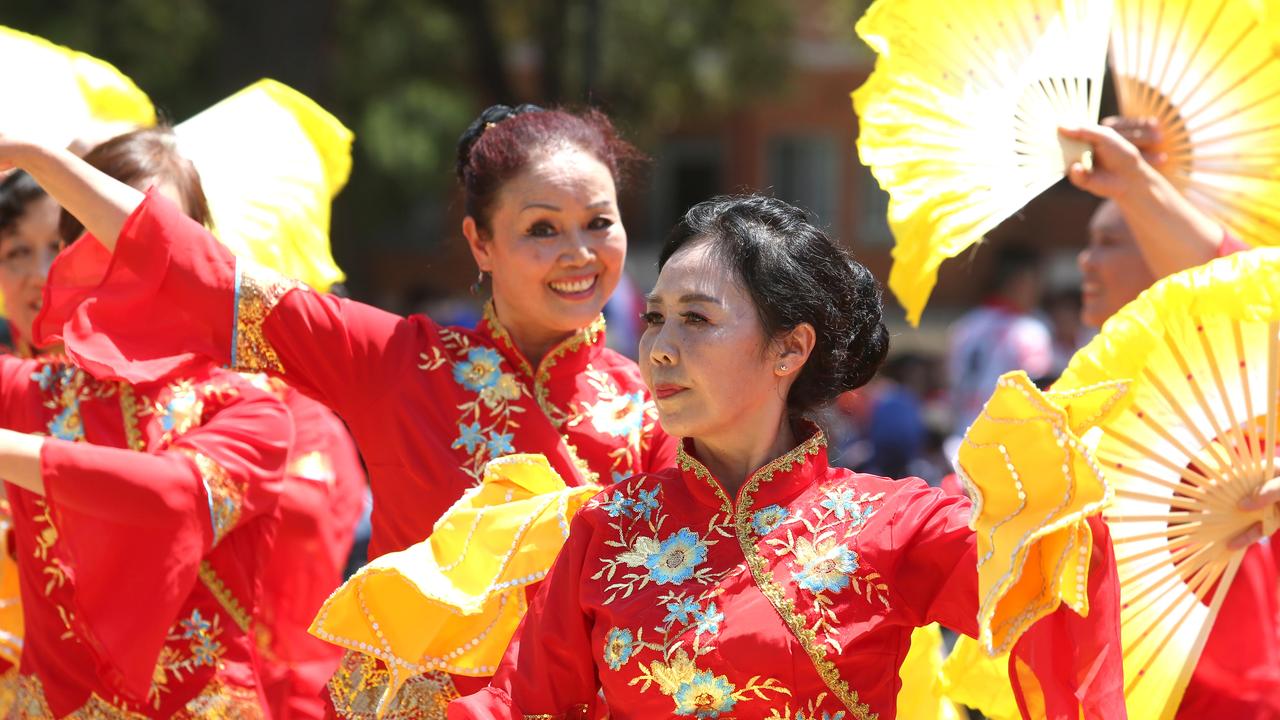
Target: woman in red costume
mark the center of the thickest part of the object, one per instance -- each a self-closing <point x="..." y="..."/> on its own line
<point x="755" y="580"/>
<point x="323" y="484"/>
<point x="142" y="515"/>
<point x="428" y="405"/>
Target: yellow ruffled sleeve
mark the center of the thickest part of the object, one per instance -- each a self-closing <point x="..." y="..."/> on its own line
<point x="1034" y="483"/>
<point x="10" y="601"/>
<point x="452" y="603"/>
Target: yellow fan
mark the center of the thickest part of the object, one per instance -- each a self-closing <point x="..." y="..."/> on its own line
<point x="452" y="602"/>
<point x="1208" y="72"/>
<point x="1196" y="433"/>
<point x="55" y="95"/>
<point x="959" y="121"/>
<point x="271" y="160"/>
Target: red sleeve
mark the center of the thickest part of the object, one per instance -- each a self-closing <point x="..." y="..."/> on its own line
<point x="137" y="525"/>
<point x="200" y="303"/>
<point x="1074" y="663"/>
<point x="549" y="669"/>
<point x="661" y="453"/>
<point x="1230" y="245"/>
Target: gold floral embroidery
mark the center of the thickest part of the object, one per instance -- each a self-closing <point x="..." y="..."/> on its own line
<point x="764" y="578"/>
<point x="361" y="681"/>
<point x="9" y="681"/>
<point x="258" y="290"/>
<point x="183" y="410"/>
<point x="226" y="496"/>
<point x="577" y="712"/>
<point x="216" y="701"/>
<point x="617" y="414"/>
<point x="129" y="412"/>
<point x="223" y="595"/>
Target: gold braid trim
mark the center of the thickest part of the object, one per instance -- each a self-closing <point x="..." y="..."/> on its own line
<point x="225" y="495"/>
<point x="216" y="701"/>
<point x="258" y="290"/>
<point x="223" y="595"/>
<point x="129" y="410"/>
<point x="361" y="681"/>
<point x="764" y="577"/>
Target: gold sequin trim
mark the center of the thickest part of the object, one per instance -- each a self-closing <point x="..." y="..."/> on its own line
<point x="258" y="290"/>
<point x="764" y="577"/>
<point x="577" y="712"/>
<point x="223" y="595"/>
<point x="129" y="411"/>
<point x="30" y="704"/>
<point x="226" y="496"/>
<point x="361" y="681"/>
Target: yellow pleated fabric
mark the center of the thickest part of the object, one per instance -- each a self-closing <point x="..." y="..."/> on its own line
<point x="959" y="121"/>
<point x="921" y="696"/>
<point x="972" y="678"/>
<point x="1195" y="433"/>
<point x="60" y="97"/>
<point x="453" y="602"/>
<point x="56" y="95"/>
<point x="1034" y="483"/>
<point x="271" y="161"/>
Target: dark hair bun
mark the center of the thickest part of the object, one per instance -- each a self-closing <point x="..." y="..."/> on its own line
<point x="795" y="274"/>
<point x="491" y="116"/>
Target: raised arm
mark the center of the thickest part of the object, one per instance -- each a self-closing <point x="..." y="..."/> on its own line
<point x="100" y="202"/>
<point x="1171" y="233"/>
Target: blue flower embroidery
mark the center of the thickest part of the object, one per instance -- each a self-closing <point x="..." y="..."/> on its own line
<point x="842" y="502"/>
<point x="709" y="620"/>
<point x="194" y="626"/>
<point x="676" y="558"/>
<point x="480" y="370"/>
<point x="618" y="648"/>
<point x="767" y="519"/>
<point x="619" y="504"/>
<point x="646" y="503"/>
<point x="206" y="651"/>
<point x="826" y="566"/>
<point x="705" y="696"/>
<point x="680" y="611"/>
<point x="469" y="437"/>
<point x="66" y="425"/>
<point x="500" y="444"/>
<point x="622" y="416"/>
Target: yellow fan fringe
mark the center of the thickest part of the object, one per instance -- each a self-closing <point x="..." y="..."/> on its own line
<point x="1034" y="483"/>
<point x="453" y="601"/>
<point x="271" y="161"/>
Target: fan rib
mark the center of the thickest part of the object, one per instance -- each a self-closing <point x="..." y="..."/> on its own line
<point x="1182" y="487"/>
<point x="1195" y="476"/>
<point x="1170" y="532"/>
<point x="1182" y="503"/>
<point x="1244" y="449"/>
<point x="1173" y="403"/>
<point x="1180" y="685"/>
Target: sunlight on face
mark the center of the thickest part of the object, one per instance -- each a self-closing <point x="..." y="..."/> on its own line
<point x="1114" y="271"/>
<point x="703" y="352"/>
<point x="25" y="254"/>
<point x="555" y="246"/>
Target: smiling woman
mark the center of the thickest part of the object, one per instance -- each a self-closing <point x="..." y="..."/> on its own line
<point x="428" y="405"/>
<point x="753" y="580"/>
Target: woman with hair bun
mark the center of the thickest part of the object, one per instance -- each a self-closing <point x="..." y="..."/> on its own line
<point x="754" y="580"/>
<point x="429" y="406"/>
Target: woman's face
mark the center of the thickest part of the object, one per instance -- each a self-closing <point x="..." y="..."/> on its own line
<point x="704" y="354"/>
<point x="555" y="247"/>
<point x="26" y="252"/>
<point x="1112" y="265"/>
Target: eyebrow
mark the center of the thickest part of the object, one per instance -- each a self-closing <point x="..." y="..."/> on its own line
<point x="556" y="208"/>
<point x="687" y="298"/>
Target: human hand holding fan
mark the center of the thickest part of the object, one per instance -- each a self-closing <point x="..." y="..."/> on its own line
<point x="959" y="121"/>
<point x="1198" y="436"/>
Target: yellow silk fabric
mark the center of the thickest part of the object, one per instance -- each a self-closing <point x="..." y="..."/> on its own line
<point x="920" y="696"/>
<point x="10" y="601"/>
<point x="1034" y="484"/>
<point x="271" y="161"/>
<point x="453" y="601"/>
<point x="973" y="678"/>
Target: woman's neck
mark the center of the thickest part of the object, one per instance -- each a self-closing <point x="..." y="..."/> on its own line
<point x="533" y="342"/>
<point x="732" y="458"/>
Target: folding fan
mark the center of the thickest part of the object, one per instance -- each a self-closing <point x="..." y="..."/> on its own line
<point x="1196" y="433"/>
<point x="959" y="121"/>
<point x="271" y="161"/>
<point x="55" y="95"/>
<point x="1208" y="72"/>
<point x="453" y="601"/>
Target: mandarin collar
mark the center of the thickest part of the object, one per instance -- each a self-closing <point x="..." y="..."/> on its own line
<point x="574" y="352"/>
<point x="776" y="482"/>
